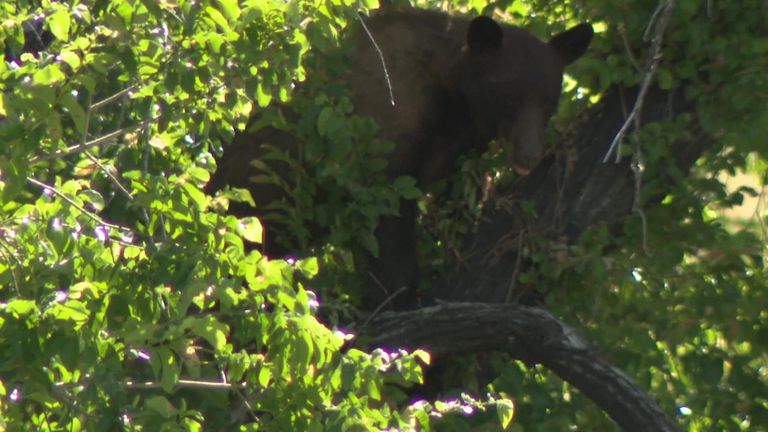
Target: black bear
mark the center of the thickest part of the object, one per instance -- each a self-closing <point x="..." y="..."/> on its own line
<point x="457" y="84"/>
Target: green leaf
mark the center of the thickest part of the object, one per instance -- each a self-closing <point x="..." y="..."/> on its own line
<point x="303" y="351"/>
<point x="666" y="81"/>
<point x="76" y="112"/>
<point x="264" y="376"/>
<point x="250" y="228"/>
<point x="230" y="8"/>
<point x="200" y="174"/>
<point x="161" y="405"/>
<point x="323" y="120"/>
<point x="210" y="329"/>
<point x="54" y="127"/>
<point x="94" y="198"/>
<point x="308" y="266"/>
<point x="369" y="241"/>
<point x="169" y="371"/>
<point x="72" y="310"/>
<point x="422" y="355"/>
<point x="58" y="23"/>
<point x="381" y="146"/>
<point x="18" y="307"/>
<point x="87" y="289"/>
<point x="218" y="18"/>
<point x="263" y="94"/>
<point x="49" y="75"/>
<point x="71" y="59"/>
<point x="371" y="4"/>
<point x="506" y="411"/>
<point x="406" y="186"/>
<point x="197" y="196"/>
<point x="87" y="81"/>
<point x="240" y="195"/>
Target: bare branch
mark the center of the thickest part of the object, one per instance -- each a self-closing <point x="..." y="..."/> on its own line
<point x="80" y="208"/>
<point x="628" y="49"/>
<point x="652" y="64"/>
<point x="109" y="175"/>
<point x="106" y="139"/>
<point x="182" y="383"/>
<point x="386" y="301"/>
<point x="185" y="383"/>
<point x="112" y="98"/>
<point x="381" y="57"/>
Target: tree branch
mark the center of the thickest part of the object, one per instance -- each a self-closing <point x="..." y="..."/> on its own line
<point x="661" y="19"/>
<point x="102" y="140"/>
<point x="531" y="334"/>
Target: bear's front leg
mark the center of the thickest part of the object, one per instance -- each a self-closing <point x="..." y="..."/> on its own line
<point x="394" y="275"/>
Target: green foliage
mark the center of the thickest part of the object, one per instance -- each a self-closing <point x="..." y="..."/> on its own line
<point x="127" y="304"/>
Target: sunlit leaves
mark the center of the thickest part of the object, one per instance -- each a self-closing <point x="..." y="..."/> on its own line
<point x="20" y="308"/>
<point x="506" y="411"/>
<point x="250" y="228"/>
<point x="48" y="75"/>
<point x="59" y="22"/>
<point x="117" y="275"/>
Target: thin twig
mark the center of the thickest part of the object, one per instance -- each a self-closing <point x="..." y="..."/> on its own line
<point x="238" y="390"/>
<point x="185" y="383"/>
<point x="628" y="49"/>
<point x="83" y="142"/>
<point x="381" y="58"/>
<point x="384" y="303"/>
<point x="93" y="143"/>
<point x="80" y="208"/>
<point x="654" y="17"/>
<point x="91" y="108"/>
<point x="87" y="122"/>
<point x="637" y="169"/>
<point x="650" y="70"/>
<point x="112" y="98"/>
<point x="109" y="175"/>
<point x="516" y="271"/>
<point x="152" y="385"/>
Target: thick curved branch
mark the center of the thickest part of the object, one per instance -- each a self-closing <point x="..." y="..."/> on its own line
<point x="531" y="334"/>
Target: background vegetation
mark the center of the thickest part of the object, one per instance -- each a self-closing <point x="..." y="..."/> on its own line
<point x="127" y="302"/>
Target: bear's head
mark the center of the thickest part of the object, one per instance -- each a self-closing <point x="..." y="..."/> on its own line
<point x="512" y="83"/>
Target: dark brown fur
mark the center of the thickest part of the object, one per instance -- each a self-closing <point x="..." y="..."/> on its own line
<point x="457" y="84"/>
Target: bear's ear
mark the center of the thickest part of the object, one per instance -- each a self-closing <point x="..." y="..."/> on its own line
<point x="484" y="35"/>
<point x="572" y="43"/>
